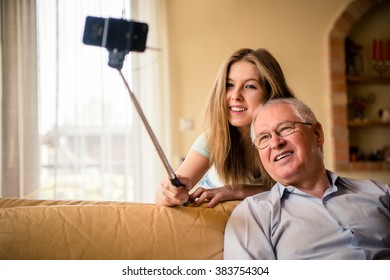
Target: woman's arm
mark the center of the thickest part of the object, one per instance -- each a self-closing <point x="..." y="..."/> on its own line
<point x="225" y="193"/>
<point x="190" y="172"/>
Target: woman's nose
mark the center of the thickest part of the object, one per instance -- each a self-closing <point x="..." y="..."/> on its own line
<point x="236" y="94"/>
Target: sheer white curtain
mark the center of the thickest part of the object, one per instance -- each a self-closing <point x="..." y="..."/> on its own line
<point x="92" y="143"/>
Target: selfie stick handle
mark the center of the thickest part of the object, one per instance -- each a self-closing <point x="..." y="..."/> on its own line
<point x="172" y="176"/>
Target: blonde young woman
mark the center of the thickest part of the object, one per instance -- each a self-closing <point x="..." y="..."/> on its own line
<point x="222" y="163"/>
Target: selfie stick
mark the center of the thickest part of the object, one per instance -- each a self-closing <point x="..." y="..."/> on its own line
<point x="172" y="176"/>
<point x="119" y="37"/>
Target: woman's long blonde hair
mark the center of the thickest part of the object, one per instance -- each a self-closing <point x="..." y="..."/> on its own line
<point x="231" y="152"/>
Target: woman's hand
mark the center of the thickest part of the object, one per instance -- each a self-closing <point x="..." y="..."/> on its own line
<point x="170" y="195"/>
<point x="225" y="193"/>
<point x="213" y="196"/>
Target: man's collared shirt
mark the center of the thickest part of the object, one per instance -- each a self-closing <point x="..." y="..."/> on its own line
<point x="350" y="221"/>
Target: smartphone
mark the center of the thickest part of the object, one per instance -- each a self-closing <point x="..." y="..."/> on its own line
<point x="115" y="34"/>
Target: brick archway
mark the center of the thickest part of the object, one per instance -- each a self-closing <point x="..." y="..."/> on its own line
<point x="338" y="86"/>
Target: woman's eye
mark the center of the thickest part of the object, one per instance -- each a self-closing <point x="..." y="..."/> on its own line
<point x="229" y="85"/>
<point x="250" y="86"/>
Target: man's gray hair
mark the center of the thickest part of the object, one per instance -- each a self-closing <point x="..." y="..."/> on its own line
<point x="301" y="110"/>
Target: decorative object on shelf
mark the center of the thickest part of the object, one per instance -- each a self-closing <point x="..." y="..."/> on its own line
<point x="380" y="155"/>
<point x="386" y="154"/>
<point x="353" y="153"/>
<point x="384" y="114"/>
<point x="380" y="64"/>
<point x="359" y="105"/>
<point x="354" y="58"/>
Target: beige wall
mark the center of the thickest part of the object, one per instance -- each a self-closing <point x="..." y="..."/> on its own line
<point x="203" y="33"/>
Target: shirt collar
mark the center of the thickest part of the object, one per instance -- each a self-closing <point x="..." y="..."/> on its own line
<point x="333" y="178"/>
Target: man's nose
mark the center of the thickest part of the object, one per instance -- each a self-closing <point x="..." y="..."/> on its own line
<point x="276" y="140"/>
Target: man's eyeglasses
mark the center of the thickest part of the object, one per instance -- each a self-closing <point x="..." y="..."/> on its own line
<point x="262" y="140"/>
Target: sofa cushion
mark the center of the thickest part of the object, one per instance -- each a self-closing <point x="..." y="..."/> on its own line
<point x="52" y="229"/>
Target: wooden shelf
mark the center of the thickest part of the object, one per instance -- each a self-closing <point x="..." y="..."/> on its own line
<point x="367" y="124"/>
<point x="369" y="166"/>
<point x="368" y="80"/>
<point x="361" y="127"/>
<point x="364" y="166"/>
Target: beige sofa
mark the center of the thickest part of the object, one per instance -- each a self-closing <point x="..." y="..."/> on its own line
<point x="53" y="229"/>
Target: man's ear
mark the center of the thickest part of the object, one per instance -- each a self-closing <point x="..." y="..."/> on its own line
<point x="319" y="133"/>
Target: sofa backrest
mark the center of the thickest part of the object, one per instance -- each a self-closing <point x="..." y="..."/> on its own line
<point x="53" y="229"/>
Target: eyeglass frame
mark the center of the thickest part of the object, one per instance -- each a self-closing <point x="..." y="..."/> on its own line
<point x="277" y="133"/>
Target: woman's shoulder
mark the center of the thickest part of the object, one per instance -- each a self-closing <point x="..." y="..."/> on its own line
<point x="201" y="139"/>
<point x="200" y="146"/>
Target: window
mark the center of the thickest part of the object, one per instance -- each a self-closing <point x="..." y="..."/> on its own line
<point x="90" y="134"/>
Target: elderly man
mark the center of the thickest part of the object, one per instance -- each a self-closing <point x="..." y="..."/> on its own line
<point x="310" y="213"/>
